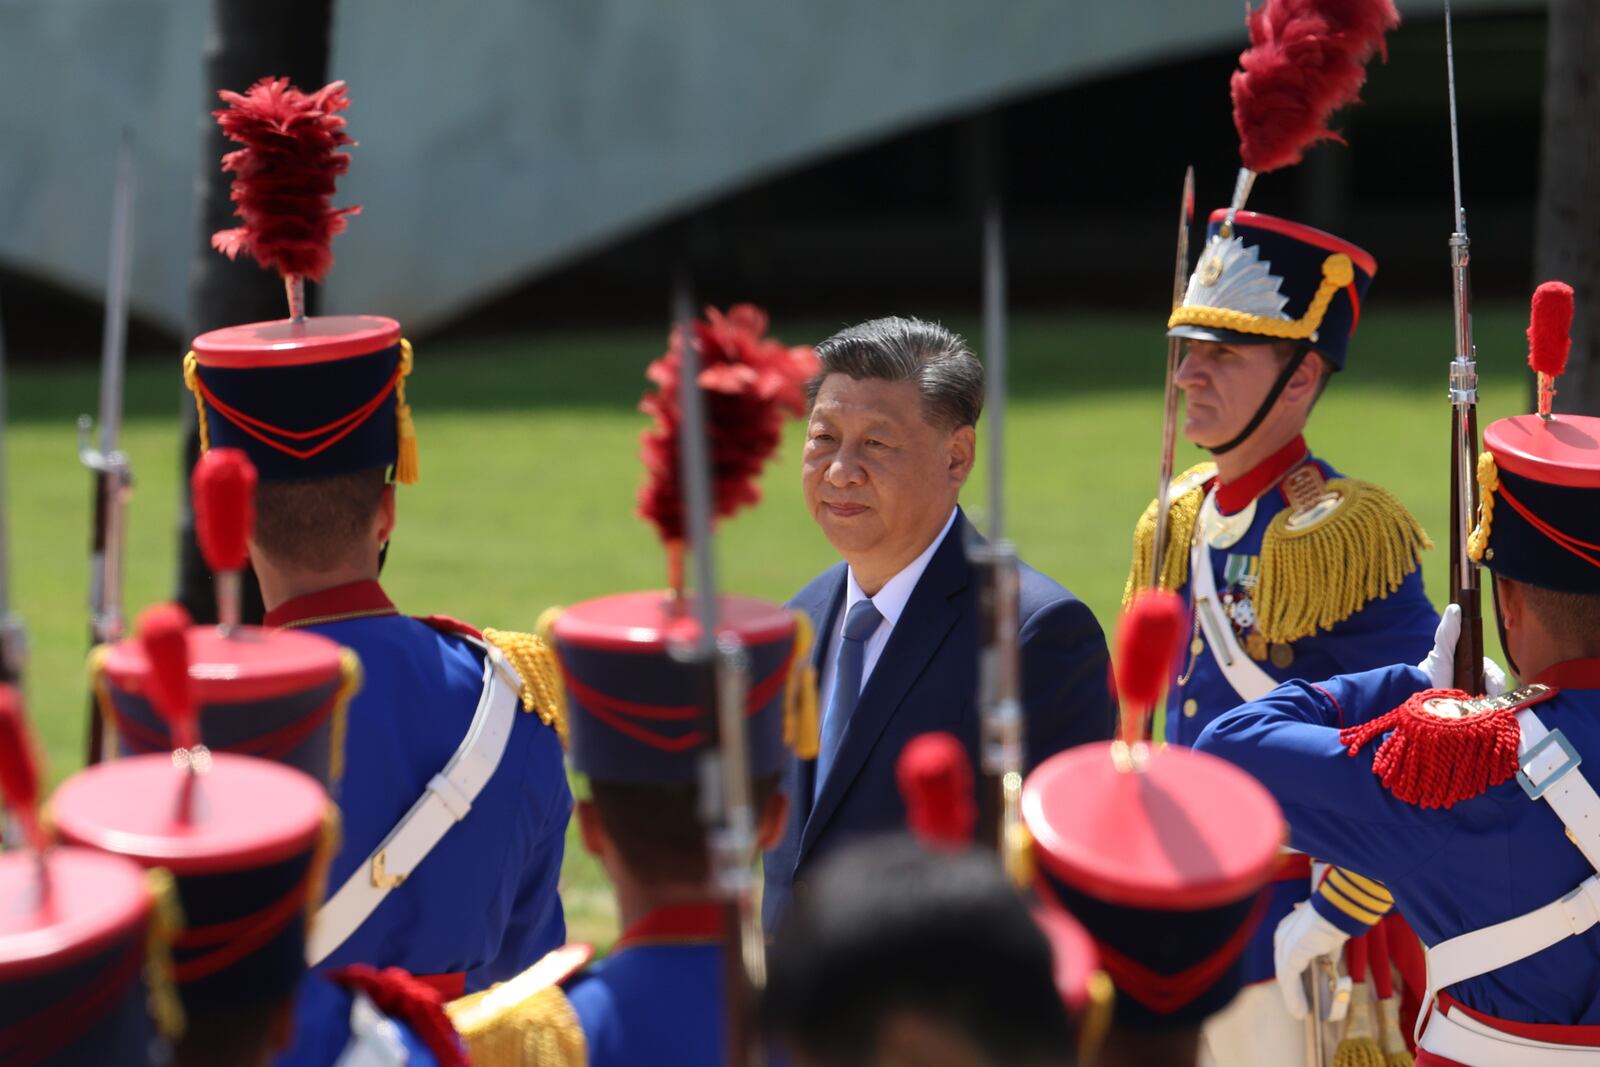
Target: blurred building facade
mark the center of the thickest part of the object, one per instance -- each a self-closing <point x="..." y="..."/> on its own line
<point x="524" y="162"/>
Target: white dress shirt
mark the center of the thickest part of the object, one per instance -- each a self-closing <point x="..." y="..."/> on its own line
<point x="891" y="604"/>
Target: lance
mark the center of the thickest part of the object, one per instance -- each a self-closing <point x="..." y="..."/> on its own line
<point x="1464" y="587"/>
<point x="1169" y="411"/>
<point x="13" y="639"/>
<point x="999" y="674"/>
<point x="722" y="664"/>
<point x="112" y="476"/>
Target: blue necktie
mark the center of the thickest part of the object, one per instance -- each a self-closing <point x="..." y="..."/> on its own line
<point x="859" y="624"/>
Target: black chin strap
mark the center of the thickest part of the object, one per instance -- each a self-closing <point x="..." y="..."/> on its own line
<point x="1276" y="391"/>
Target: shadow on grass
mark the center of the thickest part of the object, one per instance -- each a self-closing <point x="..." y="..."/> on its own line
<point x="1050" y="357"/>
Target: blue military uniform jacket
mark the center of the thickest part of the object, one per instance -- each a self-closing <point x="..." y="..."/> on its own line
<point x="1452" y="870"/>
<point x="483" y="905"/>
<point x="927" y="679"/>
<point x="1382" y="615"/>
<point x="658" y="997"/>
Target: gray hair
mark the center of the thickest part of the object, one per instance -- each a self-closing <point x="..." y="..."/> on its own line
<point x="896" y="349"/>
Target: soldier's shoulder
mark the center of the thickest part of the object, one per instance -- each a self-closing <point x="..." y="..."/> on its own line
<point x="530" y="1013"/>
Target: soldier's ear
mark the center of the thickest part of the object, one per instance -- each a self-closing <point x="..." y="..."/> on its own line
<point x="590" y="828"/>
<point x="385" y="520"/>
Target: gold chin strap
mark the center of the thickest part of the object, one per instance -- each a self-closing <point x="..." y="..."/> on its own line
<point x="1337" y="273"/>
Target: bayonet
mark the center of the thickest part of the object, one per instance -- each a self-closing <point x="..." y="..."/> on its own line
<point x="112" y="475"/>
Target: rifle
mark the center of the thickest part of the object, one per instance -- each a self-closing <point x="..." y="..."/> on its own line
<point x="13" y="640"/>
<point x="1169" y="413"/>
<point x="726" y="805"/>
<point x="112" y="475"/>
<point x="999" y="674"/>
<point x="1464" y="587"/>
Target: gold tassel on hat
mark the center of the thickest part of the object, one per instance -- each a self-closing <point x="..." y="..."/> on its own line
<point x="801" y="718"/>
<point x="165" y="923"/>
<point x="405" y="463"/>
<point x="536" y="664"/>
<point x="191" y="373"/>
<point x="1488" y="485"/>
<point x="1183" y="511"/>
<point x="525" y="1022"/>
<point x="1322" y="564"/>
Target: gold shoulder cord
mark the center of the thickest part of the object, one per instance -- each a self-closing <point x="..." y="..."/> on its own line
<point x="536" y="664"/>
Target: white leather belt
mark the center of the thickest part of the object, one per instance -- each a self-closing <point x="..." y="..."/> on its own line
<point x="1549" y="772"/>
<point x="446" y="801"/>
<point x="1242" y="672"/>
<point x="1457" y="1036"/>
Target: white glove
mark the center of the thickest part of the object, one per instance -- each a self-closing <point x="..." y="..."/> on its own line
<point x="1301" y="937"/>
<point x="1440" y="663"/>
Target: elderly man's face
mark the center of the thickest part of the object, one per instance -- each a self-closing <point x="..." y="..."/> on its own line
<point x="879" y="478"/>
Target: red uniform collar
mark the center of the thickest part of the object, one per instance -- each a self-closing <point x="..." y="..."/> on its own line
<point x="1573" y="674"/>
<point x="1235" y="496"/>
<point x="355" y="600"/>
<point x="676" y="924"/>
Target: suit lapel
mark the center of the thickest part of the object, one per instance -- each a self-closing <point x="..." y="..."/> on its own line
<point x="928" y="617"/>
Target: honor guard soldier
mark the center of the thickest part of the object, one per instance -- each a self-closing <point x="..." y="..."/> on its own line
<point x="281" y="695"/>
<point x="1163" y="855"/>
<point x="637" y="743"/>
<point x="74" y="925"/>
<point x="1474" y="810"/>
<point x="238" y="851"/>
<point x="1291" y="569"/>
<point x="651" y="719"/>
<point x="451" y="752"/>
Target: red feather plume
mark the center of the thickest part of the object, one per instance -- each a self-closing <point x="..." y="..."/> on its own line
<point x="1550" y="328"/>
<point x="935" y="780"/>
<point x="1149" y="639"/>
<point x="1307" y="59"/>
<point x="224" y="491"/>
<point x="19" y="769"/>
<point x="750" y="382"/>
<point x="164" y="636"/>
<point x="285" y="175"/>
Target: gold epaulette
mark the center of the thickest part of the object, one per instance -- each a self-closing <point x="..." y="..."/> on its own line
<point x="528" y="1021"/>
<point x="536" y="664"/>
<point x="1183" y="509"/>
<point x="1322" y="563"/>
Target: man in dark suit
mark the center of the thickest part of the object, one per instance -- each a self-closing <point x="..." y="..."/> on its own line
<point x="890" y="441"/>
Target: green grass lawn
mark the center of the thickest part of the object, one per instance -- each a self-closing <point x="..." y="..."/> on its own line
<point x="529" y="471"/>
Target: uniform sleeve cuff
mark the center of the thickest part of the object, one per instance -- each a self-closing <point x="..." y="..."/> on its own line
<point x="1350" y="901"/>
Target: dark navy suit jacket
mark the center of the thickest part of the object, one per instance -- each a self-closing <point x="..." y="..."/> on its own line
<point x="927" y="679"/>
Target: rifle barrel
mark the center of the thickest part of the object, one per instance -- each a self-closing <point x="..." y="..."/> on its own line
<point x="114" y="336"/>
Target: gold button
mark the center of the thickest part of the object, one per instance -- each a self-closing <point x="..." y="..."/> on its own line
<point x="1190" y="706"/>
<point x="1197" y="646"/>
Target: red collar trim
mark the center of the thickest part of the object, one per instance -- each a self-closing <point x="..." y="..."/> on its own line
<point x="355" y="600"/>
<point x="1235" y="496"/>
<point x="675" y="924"/>
<point x="1573" y="674"/>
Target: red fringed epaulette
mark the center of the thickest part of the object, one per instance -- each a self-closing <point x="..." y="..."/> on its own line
<point x="447" y="625"/>
<point x="401" y="996"/>
<point x="1445" y="746"/>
